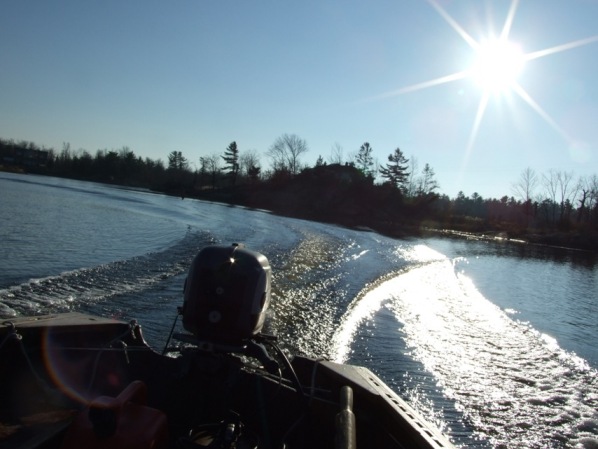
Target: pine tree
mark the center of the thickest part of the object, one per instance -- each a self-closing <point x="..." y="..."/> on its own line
<point x="176" y="161"/>
<point x="364" y="160"/>
<point x="231" y="159"/>
<point x="396" y="170"/>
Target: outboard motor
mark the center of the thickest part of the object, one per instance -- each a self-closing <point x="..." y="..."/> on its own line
<point x="227" y="293"/>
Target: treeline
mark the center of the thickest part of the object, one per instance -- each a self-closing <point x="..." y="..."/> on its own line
<point x="396" y="197"/>
<point x="119" y="167"/>
<point x="553" y="201"/>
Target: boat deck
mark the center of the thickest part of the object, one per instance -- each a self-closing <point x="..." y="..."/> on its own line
<point x="54" y="368"/>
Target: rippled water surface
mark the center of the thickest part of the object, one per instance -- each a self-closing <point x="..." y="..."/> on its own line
<point x="494" y="342"/>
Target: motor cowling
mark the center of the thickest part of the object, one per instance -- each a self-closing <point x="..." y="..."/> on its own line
<point x="227" y="293"/>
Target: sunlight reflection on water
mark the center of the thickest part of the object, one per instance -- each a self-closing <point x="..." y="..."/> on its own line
<point x="505" y="377"/>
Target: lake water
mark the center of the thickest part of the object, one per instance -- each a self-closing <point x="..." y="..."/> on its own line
<point x="494" y="342"/>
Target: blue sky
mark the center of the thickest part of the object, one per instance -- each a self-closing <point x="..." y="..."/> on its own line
<point x="193" y="76"/>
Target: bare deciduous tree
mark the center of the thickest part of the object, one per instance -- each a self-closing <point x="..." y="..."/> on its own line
<point x="211" y="165"/>
<point x="286" y="151"/>
<point x="584" y="187"/>
<point x="567" y="194"/>
<point x="248" y="161"/>
<point x="525" y="187"/>
<point x="336" y="154"/>
<point x="550" y="182"/>
<point x="412" y="183"/>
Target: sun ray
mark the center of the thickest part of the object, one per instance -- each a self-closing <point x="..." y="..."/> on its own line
<point x="474" y="131"/>
<point x="476" y="123"/>
<point x="559" y="48"/>
<point x="506" y="29"/>
<point x="424" y="85"/>
<point x="541" y="112"/>
<point x="454" y="25"/>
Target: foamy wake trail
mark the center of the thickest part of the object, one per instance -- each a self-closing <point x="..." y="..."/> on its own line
<point x="515" y="386"/>
<point x="86" y="286"/>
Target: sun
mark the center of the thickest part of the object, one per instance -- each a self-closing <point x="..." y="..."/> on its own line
<point x="498" y="63"/>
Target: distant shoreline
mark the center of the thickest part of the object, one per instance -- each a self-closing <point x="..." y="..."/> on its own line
<point x="557" y="240"/>
<point x="404" y="227"/>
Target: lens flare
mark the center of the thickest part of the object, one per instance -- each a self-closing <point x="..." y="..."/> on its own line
<point x="73" y="373"/>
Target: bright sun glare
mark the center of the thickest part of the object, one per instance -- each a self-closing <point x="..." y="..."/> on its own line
<point x="498" y="64"/>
